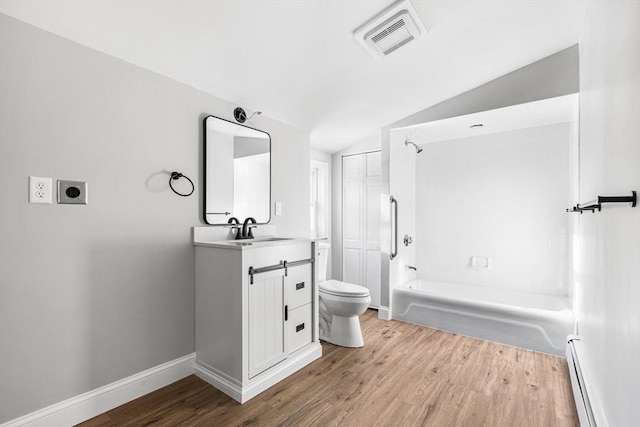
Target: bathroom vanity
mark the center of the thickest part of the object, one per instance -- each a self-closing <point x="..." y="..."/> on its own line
<point x="256" y="312"/>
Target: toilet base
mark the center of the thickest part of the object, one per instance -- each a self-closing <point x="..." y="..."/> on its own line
<point x="345" y="332"/>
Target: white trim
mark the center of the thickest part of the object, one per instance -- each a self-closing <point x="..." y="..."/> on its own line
<point x="263" y="381"/>
<point x="95" y="402"/>
<point x="588" y="403"/>
<point x="323" y="169"/>
<point x="384" y="313"/>
<point x="219" y="380"/>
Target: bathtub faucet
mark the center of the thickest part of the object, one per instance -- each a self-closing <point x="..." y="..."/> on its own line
<point x="411" y="267"/>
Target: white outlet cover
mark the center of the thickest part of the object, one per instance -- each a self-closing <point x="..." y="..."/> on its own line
<point x="40" y="189"/>
<point x="478" y="262"/>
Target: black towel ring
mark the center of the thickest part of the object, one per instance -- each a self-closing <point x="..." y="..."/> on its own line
<point x="178" y="175"/>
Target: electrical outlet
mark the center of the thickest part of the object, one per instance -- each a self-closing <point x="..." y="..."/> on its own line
<point x="72" y="192"/>
<point x="40" y="189"/>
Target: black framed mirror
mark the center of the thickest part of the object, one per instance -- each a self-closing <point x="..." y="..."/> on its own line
<point x="237" y="172"/>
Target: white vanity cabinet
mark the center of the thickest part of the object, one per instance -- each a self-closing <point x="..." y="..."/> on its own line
<point x="256" y="313"/>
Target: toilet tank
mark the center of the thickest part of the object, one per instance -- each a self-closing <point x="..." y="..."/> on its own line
<point x="323" y="256"/>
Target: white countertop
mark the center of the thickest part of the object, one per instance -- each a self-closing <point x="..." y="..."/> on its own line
<point x="258" y="242"/>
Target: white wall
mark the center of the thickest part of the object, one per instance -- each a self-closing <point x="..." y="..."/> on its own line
<point x="608" y="259"/>
<point x="92" y="294"/>
<point x="502" y="196"/>
<point x="402" y="168"/>
<point x="321" y="156"/>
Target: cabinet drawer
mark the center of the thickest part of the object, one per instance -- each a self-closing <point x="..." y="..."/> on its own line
<point x="298" y="286"/>
<point x="298" y="328"/>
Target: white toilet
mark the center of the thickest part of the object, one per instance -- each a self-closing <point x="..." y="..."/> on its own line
<point x="340" y="305"/>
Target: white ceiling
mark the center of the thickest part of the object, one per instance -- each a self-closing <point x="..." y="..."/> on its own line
<point x="297" y="61"/>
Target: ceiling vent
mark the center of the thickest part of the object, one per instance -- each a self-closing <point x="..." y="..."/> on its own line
<point x="391" y="29"/>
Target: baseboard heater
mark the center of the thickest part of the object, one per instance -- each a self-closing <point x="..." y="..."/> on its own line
<point x="583" y="406"/>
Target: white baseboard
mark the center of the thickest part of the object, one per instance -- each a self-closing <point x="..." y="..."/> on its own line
<point x="88" y="405"/>
<point x="588" y="403"/>
<point x="262" y="381"/>
<point x="384" y="313"/>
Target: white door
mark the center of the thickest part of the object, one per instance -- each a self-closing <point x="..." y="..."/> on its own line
<point x="373" y="190"/>
<point x="266" y="321"/>
<point x="361" y="222"/>
<point x="352" y="218"/>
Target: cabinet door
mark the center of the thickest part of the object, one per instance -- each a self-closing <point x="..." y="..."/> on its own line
<point x="266" y="321"/>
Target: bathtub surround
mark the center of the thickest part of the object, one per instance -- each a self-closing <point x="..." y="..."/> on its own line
<point x="553" y="76"/>
<point x="93" y="295"/>
<point x="501" y="197"/>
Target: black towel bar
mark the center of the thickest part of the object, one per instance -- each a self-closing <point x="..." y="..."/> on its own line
<point x="600" y="200"/>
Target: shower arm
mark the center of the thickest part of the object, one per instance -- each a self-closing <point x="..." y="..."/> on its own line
<point x="394" y="228"/>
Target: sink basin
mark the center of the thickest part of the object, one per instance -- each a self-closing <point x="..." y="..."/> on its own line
<point x="249" y="242"/>
<point x="271" y="239"/>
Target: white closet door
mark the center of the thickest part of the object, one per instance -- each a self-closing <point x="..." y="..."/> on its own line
<point x="352" y="219"/>
<point x="361" y="222"/>
<point x="372" y="229"/>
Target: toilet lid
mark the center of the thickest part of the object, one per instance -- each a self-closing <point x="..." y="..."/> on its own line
<point x="343" y="289"/>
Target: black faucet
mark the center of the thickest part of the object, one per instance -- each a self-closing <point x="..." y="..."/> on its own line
<point x="247" y="232"/>
<point x="233" y="220"/>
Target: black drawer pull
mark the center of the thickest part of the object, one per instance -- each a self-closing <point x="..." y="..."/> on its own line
<point x="300" y="327"/>
<point x="299" y="286"/>
<point x="286" y="313"/>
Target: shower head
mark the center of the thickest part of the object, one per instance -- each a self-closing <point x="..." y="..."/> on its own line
<point x="418" y="149"/>
<point x="255" y="113"/>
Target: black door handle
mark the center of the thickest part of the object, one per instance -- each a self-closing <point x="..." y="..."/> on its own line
<point x="286" y="313"/>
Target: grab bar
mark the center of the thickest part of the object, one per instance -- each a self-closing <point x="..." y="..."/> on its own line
<point x="394" y="220"/>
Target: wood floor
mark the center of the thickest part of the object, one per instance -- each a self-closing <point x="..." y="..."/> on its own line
<point x="406" y="375"/>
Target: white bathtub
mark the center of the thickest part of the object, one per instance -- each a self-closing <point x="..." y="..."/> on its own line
<point x="534" y="321"/>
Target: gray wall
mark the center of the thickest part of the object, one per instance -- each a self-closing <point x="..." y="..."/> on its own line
<point x="92" y="294"/>
<point x="607" y="270"/>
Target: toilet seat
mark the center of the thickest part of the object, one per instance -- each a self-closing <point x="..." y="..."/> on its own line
<point x="343" y="289"/>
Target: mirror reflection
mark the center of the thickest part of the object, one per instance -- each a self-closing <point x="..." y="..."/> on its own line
<point x="237" y="172"/>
